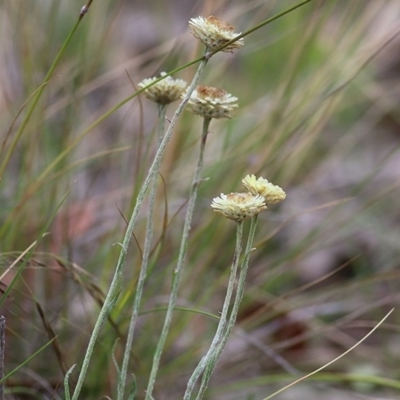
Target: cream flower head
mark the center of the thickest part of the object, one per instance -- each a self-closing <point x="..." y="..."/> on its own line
<point x="271" y="193"/>
<point x="214" y="33"/>
<point x="164" y="92"/>
<point x="211" y="102"/>
<point x="238" y="206"/>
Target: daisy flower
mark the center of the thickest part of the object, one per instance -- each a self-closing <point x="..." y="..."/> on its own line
<point x="271" y="193"/>
<point x="238" y="206"/>
<point x="164" y="92"/>
<point x="214" y="33"/>
<point x="211" y="102"/>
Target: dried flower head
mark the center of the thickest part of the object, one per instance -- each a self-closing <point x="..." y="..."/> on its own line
<point x="164" y="92"/>
<point x="211" y="102"/>
<point x="214" y="33"/>
<point x="238" y="206"/>
<point x="271" y="193"/>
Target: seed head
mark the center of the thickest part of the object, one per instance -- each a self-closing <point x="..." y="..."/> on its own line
<point x="238" y="206"/>
<point x="164" y="92"/>
<point x="214" y="33"/>
<point x="271" y="193"/>
<point x="211" y="102"/>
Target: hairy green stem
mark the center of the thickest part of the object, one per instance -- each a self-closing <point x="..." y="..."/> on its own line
<point x="115" y="283"/>
<point x="145" y="262"/>
<point x="235" y="309"/>
<point x="181" y="259"/>
<point x="223" y="319"/>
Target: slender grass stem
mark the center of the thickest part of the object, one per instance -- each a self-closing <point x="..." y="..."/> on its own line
<point x="145" y="262"/>
<point x="260" y="25"/>
<point x="223" y="319"/>
<point x="181" y="260"/>
<point x="115" y="283"/>
<point x="40" y="91"/>
<point x="235" y="309"/>
<point x="334" y="360"/>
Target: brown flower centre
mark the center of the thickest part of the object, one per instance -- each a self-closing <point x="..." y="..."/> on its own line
<point x="225" y="26"/>
<point x="209" y="91"/>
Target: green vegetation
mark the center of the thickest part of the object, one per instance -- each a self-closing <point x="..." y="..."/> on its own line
<point x="317" y="90"/>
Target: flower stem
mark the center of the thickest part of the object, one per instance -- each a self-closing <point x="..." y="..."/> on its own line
<point x="145" y="262"/>
<point x="179" y="267"/>
<point x="235" y="309"/>
<point x="223" y="319"/>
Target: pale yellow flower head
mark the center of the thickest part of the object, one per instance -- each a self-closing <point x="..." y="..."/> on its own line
<point x="164" y="92"/>
<point x="214" y="33"/>
<point x="238" y="206"/>
<point x="271" y="193"/>
<point x="211" y="102"/>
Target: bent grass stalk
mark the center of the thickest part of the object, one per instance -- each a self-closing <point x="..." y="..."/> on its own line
<point x="114" y="286"/>
<point x="179" y="267"/>
<point x="25" y="362"/>
<point x="334" y="360"/>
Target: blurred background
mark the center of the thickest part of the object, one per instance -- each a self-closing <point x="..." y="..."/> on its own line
<point x="318" y="91"/>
